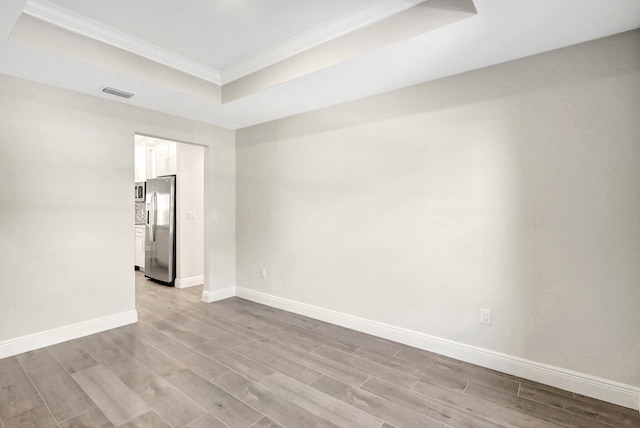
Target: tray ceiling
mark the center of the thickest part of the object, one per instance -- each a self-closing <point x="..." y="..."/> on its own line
<point x="236" y="63"/>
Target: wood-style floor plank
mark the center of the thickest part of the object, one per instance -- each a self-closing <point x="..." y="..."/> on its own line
<point x="267" y="358"/>
<point x="502" y="415"/>
<point x="269" y="423"/>
<point x="38" y="359"/>
<point x="146" y="333"/>
<point x="449" y="380"/>
<point x="222" y="310"/>
<point x="282" y="336"/>
<point x="207" y="331"/>
<point x="163" y="311"/>
<point x="214" y="399"/>
<point x="374" y="405"/>
<point x="322" y="365"/>
<point x="17" y="394"/>
<point x="321" y="339"/>
<point x="72" y="356"/>
<point x="369" y="367"/>
<point x="554" y="416"/>
<point x="37" y="417"/>
<point x="276" y="406"/>
<point x="207" y="421"/>
<point x="211" y="317"/>
<point x="109" y="355"/>
<point x="145" y="354"/>
<point x="167" y="401"/>
<point x="147" y="420"/>
<point x="92" y="418"/>
<point x="178" y="333"/>
<point x="603" y="411"/>
<point x="61" y="393"/>
<point x="273" y="316"/>
<point x="455" y="368"/>
<point x="119" y="403"/>
<point x="363" y="340"/>
<point x="147" y="316"/>
<point x="240" y="364"/>
<point x="323" y="405"/>
<point x="582" y="406"/>
<point x="451" y="415"/>
<point x="206" y="367"/>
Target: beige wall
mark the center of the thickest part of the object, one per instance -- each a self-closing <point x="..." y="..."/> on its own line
<point x="514" y="188"/>
<point x="190" y="197"/>
<point x="66" y="205"/>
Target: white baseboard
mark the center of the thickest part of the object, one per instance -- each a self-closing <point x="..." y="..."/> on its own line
<point x="592" y="386"/>
<point x="30" y="342"/>
<point x="214" y="296"/>
<point x="189" y="282"/>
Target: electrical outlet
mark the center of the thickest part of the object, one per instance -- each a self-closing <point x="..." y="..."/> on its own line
<point x="263" y="272"/>
<point x="485" y="316"/>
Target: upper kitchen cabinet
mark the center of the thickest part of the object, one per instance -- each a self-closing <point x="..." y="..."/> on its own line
<point x="151" y="160"/>
<point x="166" y="153"/>
<point x="154" y="158"/>
<point x="140" y="163"/>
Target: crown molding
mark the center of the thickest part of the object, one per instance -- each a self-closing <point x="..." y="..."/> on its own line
<point x="82" y="25"/>
<point x="349" y="21"/>
<point x="343" y="24"/>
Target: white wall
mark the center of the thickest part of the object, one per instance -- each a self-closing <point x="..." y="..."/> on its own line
<point x="190" y="198"/>
<point x="514" y="188"/>
<point x="66" y="206"/>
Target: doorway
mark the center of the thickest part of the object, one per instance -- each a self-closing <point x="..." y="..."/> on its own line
<point x="158" y="157"/>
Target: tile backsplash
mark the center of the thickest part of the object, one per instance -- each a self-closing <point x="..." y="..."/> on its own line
<point x="140" y="213"/>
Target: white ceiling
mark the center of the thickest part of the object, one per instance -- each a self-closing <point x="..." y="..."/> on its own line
<point x="216" y="33"/>
<point x="221" y="41"/>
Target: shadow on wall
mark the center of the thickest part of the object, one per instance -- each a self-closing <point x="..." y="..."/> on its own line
<point x="514" y="188"/>
<point x="578" y="201"/>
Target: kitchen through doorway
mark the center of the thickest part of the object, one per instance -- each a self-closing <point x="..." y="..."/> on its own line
<point x="160" y="161"/>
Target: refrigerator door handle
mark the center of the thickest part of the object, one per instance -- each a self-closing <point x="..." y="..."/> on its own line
<point x="155" y="216"/>
<point x="149" y="209"/>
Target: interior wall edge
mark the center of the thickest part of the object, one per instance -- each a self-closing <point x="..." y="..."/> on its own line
<point x="592" y="386"/>
<point x="30" y="342"/>
<point x="78" y="144"/>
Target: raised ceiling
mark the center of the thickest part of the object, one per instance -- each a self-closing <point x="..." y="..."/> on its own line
<point x="217" y="34"/>
<point x="236" y="63"/>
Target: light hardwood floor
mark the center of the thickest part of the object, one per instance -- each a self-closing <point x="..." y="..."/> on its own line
<point x="235" y="363"/>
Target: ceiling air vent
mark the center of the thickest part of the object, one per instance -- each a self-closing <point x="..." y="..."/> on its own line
<point x="117" y="92"/>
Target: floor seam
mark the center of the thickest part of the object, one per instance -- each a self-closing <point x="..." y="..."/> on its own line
<point x="38" y="392"/>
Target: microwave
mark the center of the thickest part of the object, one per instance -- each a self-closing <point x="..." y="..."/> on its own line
<point x="140" y="192"/>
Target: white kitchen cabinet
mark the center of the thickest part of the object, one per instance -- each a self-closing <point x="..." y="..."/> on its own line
<point x="160" y="158"/>
<point x="166" y="154"/>
<point x="140" y="235"/>
<point x="151" y="161"/>
<point x="140" y="163"/>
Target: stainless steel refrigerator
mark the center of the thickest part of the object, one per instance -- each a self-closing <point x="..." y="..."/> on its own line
<point x="160" y="240"/>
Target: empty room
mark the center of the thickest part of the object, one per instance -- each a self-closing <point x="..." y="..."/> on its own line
<point x="345" y="213"/>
